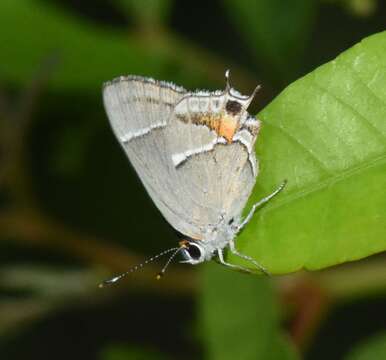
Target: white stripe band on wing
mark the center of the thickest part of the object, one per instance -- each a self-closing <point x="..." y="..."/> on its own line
<point x="245" y="138"/>
<point x="181" y="157"/>
<point x="141" y="132"/>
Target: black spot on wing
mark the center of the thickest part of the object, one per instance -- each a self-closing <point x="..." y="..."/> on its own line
<point x="233" y="107"/>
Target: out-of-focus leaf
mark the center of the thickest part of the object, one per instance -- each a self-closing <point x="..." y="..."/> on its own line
<point x="326" y="134"/>
<point x="149" y="11"/>
<point x="240" y="318"/>
<point x="276" y="31"/>
<point x="88" y="55"/>
<point x="360" y="8"/>
<point x="126" y="352"/>
<point x="372" y="349"/>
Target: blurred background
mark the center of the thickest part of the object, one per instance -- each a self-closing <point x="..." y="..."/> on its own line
<point x="72" y="211"/>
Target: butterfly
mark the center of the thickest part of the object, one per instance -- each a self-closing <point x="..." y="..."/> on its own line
<point x="194" y="154"/>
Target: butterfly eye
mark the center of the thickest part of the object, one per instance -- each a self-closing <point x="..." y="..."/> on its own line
<point x="193" y="253"/>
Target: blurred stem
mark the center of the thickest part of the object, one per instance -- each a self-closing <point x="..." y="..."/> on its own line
<point x="4" y="116"/>
<point x="36" y="230"/>
<point x="29" y="98"/>
<point x="355" y="280"/>
<point x="15" y="128"/>
<point x="311" y="295"/>
<point x="341" y="283"/>
<point x="309" y="302"/>
<point x="52" y="291"/>
<point x="4" y="107"/>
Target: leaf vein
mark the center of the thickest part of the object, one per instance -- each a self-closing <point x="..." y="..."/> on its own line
<point x="365" y="121"/>
<point x="319" y="163"/>
<point x="366" y="85"/>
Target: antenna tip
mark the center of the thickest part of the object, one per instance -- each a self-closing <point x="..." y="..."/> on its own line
<point x="108" y="282"/>
<point x="159" y="276"/>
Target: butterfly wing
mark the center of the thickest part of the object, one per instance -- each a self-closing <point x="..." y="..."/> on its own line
<point x="193" y="176"/>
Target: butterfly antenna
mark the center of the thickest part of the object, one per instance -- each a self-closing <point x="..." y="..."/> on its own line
<point x="139" y="266"/>
<point x="228" y="81"/>
<point x="162" y="272"/>
<point x="251" y="97"/>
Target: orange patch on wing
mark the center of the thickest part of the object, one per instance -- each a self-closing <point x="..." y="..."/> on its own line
<point x="228" y="127"/>
<point x="223" y="124"/>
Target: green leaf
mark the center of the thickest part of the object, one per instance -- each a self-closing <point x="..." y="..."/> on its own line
<point x="276" y="31"/>
<point x="88" y="55"/>
<point x="373" y="349"/>
<point x="240" y="318"/>
<point x="326" y="134"/>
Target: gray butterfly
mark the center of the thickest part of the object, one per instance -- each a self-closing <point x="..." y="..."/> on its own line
<point x="194" y="153"/>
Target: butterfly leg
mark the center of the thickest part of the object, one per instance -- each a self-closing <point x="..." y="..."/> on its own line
<point x="223" y="262"/>
<point x="234" y="251"/>
<point x="258" y="204"/>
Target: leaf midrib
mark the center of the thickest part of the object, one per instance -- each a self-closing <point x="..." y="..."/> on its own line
<point x="312" y="188"/>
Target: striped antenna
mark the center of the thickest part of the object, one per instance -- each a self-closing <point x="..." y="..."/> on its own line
<point x="162" y="272"/>
<point x="139" y="266"/>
